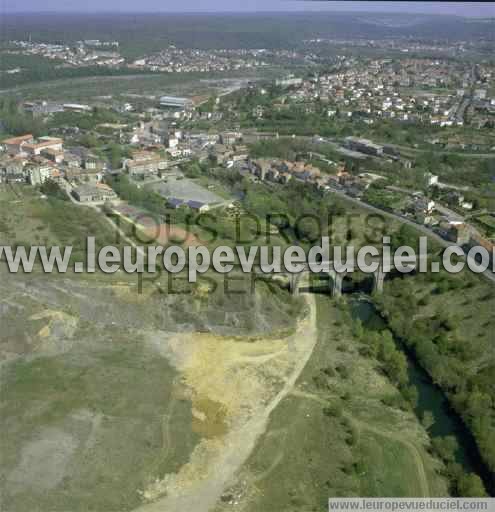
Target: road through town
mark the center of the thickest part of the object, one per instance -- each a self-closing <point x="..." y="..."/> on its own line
<point x="488" y="274"/>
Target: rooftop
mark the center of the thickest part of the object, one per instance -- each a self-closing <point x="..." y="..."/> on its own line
<point x="19" y="139"/>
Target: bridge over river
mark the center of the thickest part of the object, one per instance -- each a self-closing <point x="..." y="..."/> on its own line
<point x="377" y="267"/>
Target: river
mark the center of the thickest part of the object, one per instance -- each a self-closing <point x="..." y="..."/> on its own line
<point x="430" y="398"/>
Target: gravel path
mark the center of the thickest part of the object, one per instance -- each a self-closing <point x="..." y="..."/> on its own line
<point x="202" y="495"/>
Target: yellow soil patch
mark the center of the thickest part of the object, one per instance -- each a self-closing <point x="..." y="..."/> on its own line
<point x="209" y="418"/>
<point x="197" y="470"/>
<point x="64" y="323"/>
<point x="234" y="384"/>
<point x="44" y="332"/>
<point x="228" y="379"/>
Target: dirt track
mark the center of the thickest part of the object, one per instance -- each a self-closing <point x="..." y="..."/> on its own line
<point x="215" y="461"/>
<point x="411" y="447"/>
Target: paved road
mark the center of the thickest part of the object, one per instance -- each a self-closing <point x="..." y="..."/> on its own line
<point x="416" y="151"/>
<point x="422" y="229"/>
<point x="399" y="147"/>
<point x="447" y="212"/>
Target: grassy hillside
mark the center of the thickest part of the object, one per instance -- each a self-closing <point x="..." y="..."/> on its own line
<point x="334" y="435"/>
<point x="447" y="321"/>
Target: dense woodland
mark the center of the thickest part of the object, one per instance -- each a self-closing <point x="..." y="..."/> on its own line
<point x="447" y="322"/>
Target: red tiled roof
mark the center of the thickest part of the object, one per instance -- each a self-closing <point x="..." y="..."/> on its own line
<point x="43" y="144"/>
<point x="18" y="140"/>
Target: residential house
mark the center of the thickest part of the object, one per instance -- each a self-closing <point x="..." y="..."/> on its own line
<point x="88" y="193"/>
<point x="14" y="145"/>
<point x="81" y="175"/>
<point x="431" y="179"/>
<point x="38" y="170"/>
<point x="230" y="138"/>
<point x="54" y="155"/>
<point x="72" y="160"/>
<point x="92" y="163"/>
<point x="44" y="143"/>
<point x="12" y="169"/>
<point x="144" y="164"/>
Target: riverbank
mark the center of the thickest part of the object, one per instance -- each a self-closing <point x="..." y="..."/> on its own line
<point x="334" y="435"/>
<point x="432" y="399"/>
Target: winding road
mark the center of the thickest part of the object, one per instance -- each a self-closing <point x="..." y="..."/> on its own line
<point x="488" y="274"/>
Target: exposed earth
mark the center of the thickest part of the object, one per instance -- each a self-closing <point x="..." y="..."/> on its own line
<point x="122" y="399"/>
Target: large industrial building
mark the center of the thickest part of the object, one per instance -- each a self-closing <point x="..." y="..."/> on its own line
<point x="363" y="146"/>
<point x="175" y="102"/>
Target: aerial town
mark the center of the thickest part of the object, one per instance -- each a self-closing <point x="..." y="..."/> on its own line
<point x="157" y="172"/>
<point x="159" y="137"/>
<point x="83" y="53"/>
<point x="170" y="60"/>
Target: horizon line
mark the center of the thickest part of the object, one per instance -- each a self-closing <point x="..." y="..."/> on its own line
<point x="214" y="12"/>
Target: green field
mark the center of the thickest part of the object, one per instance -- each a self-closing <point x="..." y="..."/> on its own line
<point x="333" y="436"/>
<point x="89" y="428"/>
<point x="28" y="219"/>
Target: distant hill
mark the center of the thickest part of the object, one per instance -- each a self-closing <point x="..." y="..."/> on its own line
<point x="143" y="33"/>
